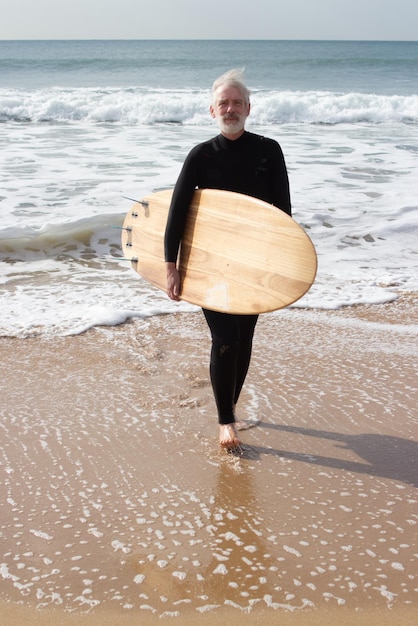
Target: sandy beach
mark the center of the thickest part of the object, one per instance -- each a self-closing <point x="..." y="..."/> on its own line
<point x="119" y="508"/>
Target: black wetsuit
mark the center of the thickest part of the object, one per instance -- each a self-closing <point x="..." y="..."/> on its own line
<point x="252" y="165"/>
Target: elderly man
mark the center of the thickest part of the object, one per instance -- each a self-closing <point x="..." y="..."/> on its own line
<point x="240" y="161"/>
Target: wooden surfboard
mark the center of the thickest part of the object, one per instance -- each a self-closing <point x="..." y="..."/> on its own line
<point x="238" y="254"/>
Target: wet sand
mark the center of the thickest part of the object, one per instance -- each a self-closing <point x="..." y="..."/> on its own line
<point x="119" y="508"/>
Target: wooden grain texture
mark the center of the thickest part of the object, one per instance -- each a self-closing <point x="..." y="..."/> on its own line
<point x="238" y="255"/>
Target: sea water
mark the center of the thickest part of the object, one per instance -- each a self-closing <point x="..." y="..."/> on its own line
<point x="86" y="124"/>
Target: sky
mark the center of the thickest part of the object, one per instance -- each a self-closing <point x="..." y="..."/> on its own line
<point x="212" y="19"/>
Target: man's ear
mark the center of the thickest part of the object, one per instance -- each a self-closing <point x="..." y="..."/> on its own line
<point x="212" y="111"/>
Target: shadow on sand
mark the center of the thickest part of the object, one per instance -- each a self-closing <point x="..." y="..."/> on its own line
<point x="385" y="456"/>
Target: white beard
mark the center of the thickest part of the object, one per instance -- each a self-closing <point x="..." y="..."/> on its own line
<point x="231" y="127"/>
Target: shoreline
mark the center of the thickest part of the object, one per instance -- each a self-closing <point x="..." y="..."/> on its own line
<point x="15" y="615"/>
<point x="118" y="503"/>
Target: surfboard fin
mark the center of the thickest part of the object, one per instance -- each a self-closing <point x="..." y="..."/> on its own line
<point x="122" y="258"/>
<point x="144" y="204"/>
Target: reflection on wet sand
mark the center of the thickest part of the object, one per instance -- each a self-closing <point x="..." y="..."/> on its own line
<point x="226" y="563"/>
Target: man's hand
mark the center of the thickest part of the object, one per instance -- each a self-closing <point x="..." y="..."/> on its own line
<point x="173" y="281"/>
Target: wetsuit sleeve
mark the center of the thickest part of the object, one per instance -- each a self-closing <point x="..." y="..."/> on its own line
<point x="280" y="181"/>
<point x="179" y="206"/>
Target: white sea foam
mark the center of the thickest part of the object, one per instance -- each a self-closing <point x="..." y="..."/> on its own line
<point x="188" y="107"/>
<point x="60" y="272"/>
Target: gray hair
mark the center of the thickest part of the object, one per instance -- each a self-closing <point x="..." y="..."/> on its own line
<point x="232" y="78"/>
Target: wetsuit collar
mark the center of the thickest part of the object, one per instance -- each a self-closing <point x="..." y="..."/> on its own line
<point x="230" y="142"/>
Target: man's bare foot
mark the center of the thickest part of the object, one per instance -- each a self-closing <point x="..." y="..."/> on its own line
<point x="228" y="437"/>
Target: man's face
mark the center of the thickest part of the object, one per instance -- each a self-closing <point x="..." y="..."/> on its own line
<point x="230" y="111"/>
